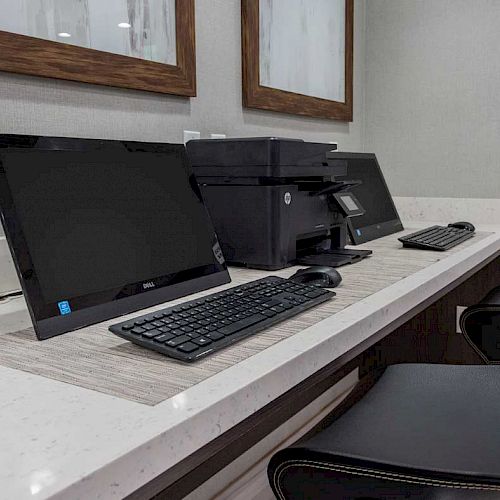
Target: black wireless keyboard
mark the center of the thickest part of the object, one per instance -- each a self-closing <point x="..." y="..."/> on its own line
<point x="436" y="238"/>
<point x="199" y="327"/>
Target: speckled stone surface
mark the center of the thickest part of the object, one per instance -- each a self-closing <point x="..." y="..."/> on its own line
<point x="61" y="440"/>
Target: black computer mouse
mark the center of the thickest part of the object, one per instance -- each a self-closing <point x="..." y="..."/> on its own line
<point x="463" y="225"/>
<point x="323" y="276"/>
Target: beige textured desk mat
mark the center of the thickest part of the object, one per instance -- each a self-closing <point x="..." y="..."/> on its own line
<point x="96" y="359"/>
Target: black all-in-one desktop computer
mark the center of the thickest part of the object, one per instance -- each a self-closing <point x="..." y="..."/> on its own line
<point x="102" y="228"/>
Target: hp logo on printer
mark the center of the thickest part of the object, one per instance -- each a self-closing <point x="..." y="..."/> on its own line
<point x="148" y="284"/>
<point x="288" y="198"/>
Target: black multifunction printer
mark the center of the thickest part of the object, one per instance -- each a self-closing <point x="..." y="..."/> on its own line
<point x="276" y="202"/>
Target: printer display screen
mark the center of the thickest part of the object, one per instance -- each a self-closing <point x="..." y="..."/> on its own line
<point x="349" y="202"/>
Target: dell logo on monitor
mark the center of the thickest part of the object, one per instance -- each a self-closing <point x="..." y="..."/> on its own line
<point x="148" y="284"/>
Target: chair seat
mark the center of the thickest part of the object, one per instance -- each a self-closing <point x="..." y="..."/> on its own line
<point x="423" y="431"/>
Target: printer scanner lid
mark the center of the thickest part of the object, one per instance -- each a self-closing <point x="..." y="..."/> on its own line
<point x="263" y="157"/>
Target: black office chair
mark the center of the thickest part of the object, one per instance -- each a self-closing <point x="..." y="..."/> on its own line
<point x="421" y="432"/>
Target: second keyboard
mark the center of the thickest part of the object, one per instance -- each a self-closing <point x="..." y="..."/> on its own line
<point x="436" y="238"/>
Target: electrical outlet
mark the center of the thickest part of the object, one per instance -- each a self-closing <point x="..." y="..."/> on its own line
<point x="217" y="136"/>
<point x="189" y="135"/>
<point x="460" y="310"/>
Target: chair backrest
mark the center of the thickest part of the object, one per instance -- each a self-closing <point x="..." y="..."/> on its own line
<point x="480" y="325"/>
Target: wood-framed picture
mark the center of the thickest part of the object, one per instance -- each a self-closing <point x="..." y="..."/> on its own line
<point x="297" y="56"/>
<point x="137" y="44"/>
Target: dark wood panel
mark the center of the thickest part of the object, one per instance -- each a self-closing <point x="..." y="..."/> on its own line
<point x="412" y="337"/>
<point x="258" y="96"/>
<point x="34" y="56"/>
<point x="430" y="336"/>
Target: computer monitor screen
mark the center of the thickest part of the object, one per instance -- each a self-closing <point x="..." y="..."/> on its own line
<point x="381" y="217"/>
<point x="100" y="228"/>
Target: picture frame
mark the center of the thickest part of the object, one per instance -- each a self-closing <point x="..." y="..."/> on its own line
<point x="40" y="57"/>
<point x="264" y="97"/>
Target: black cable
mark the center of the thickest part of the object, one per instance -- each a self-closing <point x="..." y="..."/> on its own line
<point x="17" y="293"/>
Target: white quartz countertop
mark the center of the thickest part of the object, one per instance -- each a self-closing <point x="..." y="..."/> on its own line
<point x="62" y="441"/>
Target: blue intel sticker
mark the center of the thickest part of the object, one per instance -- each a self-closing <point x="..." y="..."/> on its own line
<point x="64" y="307"/>
<point x="358" y="232"/>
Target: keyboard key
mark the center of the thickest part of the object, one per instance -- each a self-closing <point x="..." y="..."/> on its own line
<point x="139" y="322"/>
<point x="158" y="315"/>
<point x="164" y="338"/>
<point x="137" y="330"/>
<point x="127" y="326"/>
<point x="201" y="341"/>
<point x="269" y="314"/>
<point x="277" y="309"/>
<point x="236" y="327"/>
<point x="151" y="334"/>
<point x="214" y="335"/>
<point x="178" y="341"/>
<point x="187" y="347"/>
<point x="271" y="303"/>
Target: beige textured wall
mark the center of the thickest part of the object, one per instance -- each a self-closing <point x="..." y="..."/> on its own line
<point x="433" y="96"/>
<point x="32" y="105"/>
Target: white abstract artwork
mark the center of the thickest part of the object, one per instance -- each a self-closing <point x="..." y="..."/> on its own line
<point x="137" y="28"/>
<point x="302" y="47"/>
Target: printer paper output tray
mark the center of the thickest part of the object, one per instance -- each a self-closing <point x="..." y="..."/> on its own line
<point x="334" y="257"/>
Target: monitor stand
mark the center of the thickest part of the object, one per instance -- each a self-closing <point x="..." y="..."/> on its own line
<point x="334" y="257"/>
